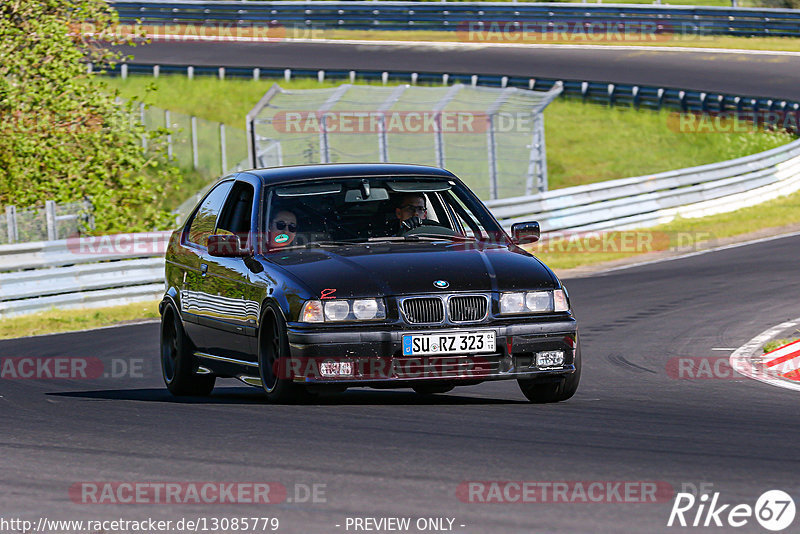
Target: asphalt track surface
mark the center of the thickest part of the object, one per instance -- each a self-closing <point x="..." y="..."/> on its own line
<point x="392" y="453"/>
<point x="772" y="76"/>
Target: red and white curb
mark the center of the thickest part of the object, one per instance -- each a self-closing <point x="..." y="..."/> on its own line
<point x="780" y="367"/>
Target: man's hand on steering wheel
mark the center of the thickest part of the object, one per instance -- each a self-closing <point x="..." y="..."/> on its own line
<point x="410" y="224"/>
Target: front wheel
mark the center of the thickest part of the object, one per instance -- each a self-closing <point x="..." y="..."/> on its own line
<point x="273" y="360"/>
<point x="178" y="365"/>
<point x="540" y="392"/>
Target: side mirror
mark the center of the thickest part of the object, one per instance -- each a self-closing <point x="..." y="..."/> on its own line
<point x="226" y="246"/>
<point x="525" y="232"/>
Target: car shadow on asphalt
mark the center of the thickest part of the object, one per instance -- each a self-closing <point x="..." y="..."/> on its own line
<point x="250" y="396"/>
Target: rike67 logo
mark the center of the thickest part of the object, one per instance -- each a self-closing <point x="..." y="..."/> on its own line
<point x="774" y="510"/>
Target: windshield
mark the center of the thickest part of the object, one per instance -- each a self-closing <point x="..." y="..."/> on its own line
<point x="370" y="209"/>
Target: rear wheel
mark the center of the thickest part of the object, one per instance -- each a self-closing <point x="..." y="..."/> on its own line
<point x="550" y="389"/>
<point x="178" y="364"/>
<point x="433" y="389"/>
<point x="273" y="359"/>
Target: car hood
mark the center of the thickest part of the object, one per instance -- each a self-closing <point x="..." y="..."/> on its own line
<point x="387" y="269"/>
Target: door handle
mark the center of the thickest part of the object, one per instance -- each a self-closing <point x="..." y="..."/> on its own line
<point x="203" y="269"/>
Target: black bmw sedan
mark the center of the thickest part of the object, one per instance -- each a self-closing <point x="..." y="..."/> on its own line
<point x="323" y="277"/>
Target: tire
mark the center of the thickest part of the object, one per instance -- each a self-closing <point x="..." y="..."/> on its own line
<point x="178" y="364"/>
<point x="540" y="391"/>
<point x="433" y="389"/>
<point x="273" y="354"/>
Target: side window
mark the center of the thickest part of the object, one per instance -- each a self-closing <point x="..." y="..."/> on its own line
<point x="205" y="219"/>
<point x="235" y="217"/>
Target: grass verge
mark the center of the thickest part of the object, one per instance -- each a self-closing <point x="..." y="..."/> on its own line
<point x="781" y="44"/>
<point x="632" y="143"/>
<point x="54" y="321"/>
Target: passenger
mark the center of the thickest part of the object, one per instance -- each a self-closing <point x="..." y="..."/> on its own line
<point x="282" y="228"/>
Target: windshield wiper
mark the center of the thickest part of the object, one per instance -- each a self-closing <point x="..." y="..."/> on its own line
<point x="439" y="237"/>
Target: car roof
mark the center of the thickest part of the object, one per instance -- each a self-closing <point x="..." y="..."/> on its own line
<point x="274" y="175"/>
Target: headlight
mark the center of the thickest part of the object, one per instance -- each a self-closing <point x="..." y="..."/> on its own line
<point x="316" y="311"/>
<point x="337" y="310"/>
<point x="512" y="303"/>
<point x="533" y="302"/>
<point x="365" y="309"/>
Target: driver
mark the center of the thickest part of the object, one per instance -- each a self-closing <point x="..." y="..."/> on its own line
<point x="410" y="210"/>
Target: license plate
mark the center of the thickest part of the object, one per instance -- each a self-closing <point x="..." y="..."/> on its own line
<point x="550" y="358"/>
<point x="448" y="343"/>
<point x="334" y="369"/>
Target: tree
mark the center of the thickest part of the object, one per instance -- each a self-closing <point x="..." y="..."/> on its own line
<point x="62" y="137"/>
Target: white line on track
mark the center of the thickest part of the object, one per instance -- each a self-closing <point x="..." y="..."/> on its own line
<point x="741" y="358"/>
<point x="723" y="349"/>
<point x="451" y="44"/>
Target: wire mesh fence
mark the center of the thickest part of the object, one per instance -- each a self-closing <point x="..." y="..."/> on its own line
<point x="46" y="223"/>
<point x="493" y="138"/>
<point x="210" y="147"/>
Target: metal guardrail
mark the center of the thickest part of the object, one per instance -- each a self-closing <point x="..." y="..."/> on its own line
<point x="81" y="272"/>
<point x="103" y="273"/>
<point x="462" y="16"/>
<point x="655" y="199"/>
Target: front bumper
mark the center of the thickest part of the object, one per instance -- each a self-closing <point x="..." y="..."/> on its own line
<point x="374" y="356"/>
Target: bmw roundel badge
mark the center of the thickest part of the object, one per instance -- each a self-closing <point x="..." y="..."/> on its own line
<point x="441" y="284"/>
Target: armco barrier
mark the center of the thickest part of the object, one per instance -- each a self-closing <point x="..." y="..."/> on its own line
<point x="455" y="16"/>
<point x="40" y="275"/>
<point x="64" y="275"/>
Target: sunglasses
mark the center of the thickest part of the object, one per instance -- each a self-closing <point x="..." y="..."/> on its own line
<point x="414" y="209"/>
<point x="282" y="225"/>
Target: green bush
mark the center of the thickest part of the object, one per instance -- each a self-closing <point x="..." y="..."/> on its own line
<point x="63" y="139"/>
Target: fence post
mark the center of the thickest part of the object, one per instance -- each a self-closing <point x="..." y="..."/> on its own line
<point x="50" y="219"/>
<point x="156" y="70"/>
<point x="169" y="135"/>
<point x="11" y="221"/>
<point x="142" y="120"/>
<point x="492" y="156"/>
<point x="123" y="71"/>
<point x="224" y="158"/>
<point x="190" y="72"/>
<point x="256" y="74"/>
<point x="194" y="143"/>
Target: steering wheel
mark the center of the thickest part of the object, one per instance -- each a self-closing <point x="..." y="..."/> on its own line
<point x="427" y="226"/>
